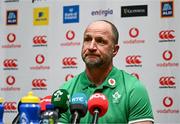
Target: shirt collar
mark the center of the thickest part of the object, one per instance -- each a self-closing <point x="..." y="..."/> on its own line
<point x="110" y="81"/>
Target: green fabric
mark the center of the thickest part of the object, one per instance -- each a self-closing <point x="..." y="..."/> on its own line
<point x="127" y="97"/>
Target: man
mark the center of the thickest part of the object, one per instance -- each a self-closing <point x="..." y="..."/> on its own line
<point x="127" y="97"/>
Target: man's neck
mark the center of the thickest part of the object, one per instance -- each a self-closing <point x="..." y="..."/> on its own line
<point x="98" y="75"/>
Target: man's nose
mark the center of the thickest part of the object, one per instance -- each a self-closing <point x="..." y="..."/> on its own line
<point x="93" y="44"/>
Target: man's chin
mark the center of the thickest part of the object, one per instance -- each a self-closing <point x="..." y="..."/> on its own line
<point x="93" y="64"/>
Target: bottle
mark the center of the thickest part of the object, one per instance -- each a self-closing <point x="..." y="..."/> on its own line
<point x="30" y="109"/>
<point x="50" y="116"/>
<point x="1" y="110"/>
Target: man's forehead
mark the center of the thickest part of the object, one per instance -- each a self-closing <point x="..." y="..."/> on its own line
<point x="98" y="27"/>
<point x="101" y="25"/>
<point x="96" y="32"/>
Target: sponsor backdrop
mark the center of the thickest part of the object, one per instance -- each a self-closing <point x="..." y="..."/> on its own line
<point x="40" y="44"/>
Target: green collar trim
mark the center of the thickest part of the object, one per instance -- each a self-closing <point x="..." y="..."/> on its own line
<point x="110" y="81"/>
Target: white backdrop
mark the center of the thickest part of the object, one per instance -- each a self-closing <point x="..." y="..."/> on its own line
<point x="41" y="41"/>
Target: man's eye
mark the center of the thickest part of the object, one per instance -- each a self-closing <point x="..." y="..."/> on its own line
<point x="87" y="39"/>
<point x="100" y="41"/>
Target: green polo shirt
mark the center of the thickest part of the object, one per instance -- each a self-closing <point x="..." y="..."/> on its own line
<point x="128" y="99"/>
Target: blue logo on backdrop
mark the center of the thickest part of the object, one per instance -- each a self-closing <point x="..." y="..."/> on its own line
<point x="11" y="18"/>
<point x="167" y="9"/>
<point x="71" y="14"/>
<point x="40" y="14"/>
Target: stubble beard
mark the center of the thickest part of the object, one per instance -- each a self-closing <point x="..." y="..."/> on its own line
<point x="98" y="62"/>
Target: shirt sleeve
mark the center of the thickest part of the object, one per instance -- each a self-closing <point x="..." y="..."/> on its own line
<point x="139" y="104"/>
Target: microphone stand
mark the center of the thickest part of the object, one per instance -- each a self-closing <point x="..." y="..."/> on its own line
<point x="75" y="118"/>
<point x="96" y="116"/>
<point x="16" y="119"/>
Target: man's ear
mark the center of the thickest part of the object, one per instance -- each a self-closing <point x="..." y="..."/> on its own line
<point x="115" y="50"/>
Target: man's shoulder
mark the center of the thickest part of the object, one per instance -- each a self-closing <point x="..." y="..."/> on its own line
<point x="71" y="82"/>
<point x="124" y="74"/>
<point x="128" y="80"/>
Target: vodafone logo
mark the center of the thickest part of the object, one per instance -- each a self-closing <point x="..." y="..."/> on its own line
<point x="168" y="80"/>
<point x="10" y="80"/>
<point x="134" y="59"/>
<point x="136" y="75"/>
<point x="167" y="55"/>
<point x="70" y="34"/>
<point x="111" y="82"/>
<point x="10" y="63"/>
<point x="167" y="34"/>
<point x="11" y="37"/>
<point x="39" y="59"/>
<point x="133" y="32"/>
<point x="40" y="83"/>
<point x="69" y="76"/>
<point x="167" y="101"/>
<point x="69" y="61"/>
<point x="10" y="106"/>
<point x="40" y="40"/>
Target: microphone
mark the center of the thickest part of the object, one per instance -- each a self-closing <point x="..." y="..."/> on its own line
<point x="60" y="100"/>
<point x="97" y="106"/>
<point x="78" y="107"/>
<point x="44" y="101"/>
<point x="16" y="120"/>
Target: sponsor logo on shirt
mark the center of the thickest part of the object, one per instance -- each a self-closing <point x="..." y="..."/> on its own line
<point x="111" y="82"/>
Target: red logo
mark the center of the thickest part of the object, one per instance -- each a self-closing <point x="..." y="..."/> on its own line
<point x="70" y="34"/>
<point x="135" y="59"/>
<point x="39" y="40"/>
<point x="9" y="106"/>
<point x="136" y="75"/>
<point x="133" y="32"/>
<point x="69" y="61"/>
<point x="167" y="101"/>
<point x="41" y="83"/>
<point x="10" y="80"/>
<point x="10" y="63"/>
<point x="69" y="76"/>
<point x="167" y="34"/>
<point x="44" y="101"/>
<point x="11" y="37"/>
<point x="40" y="59"/>
<point x="167" y="55"/>
<point x="169" y="80"/>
